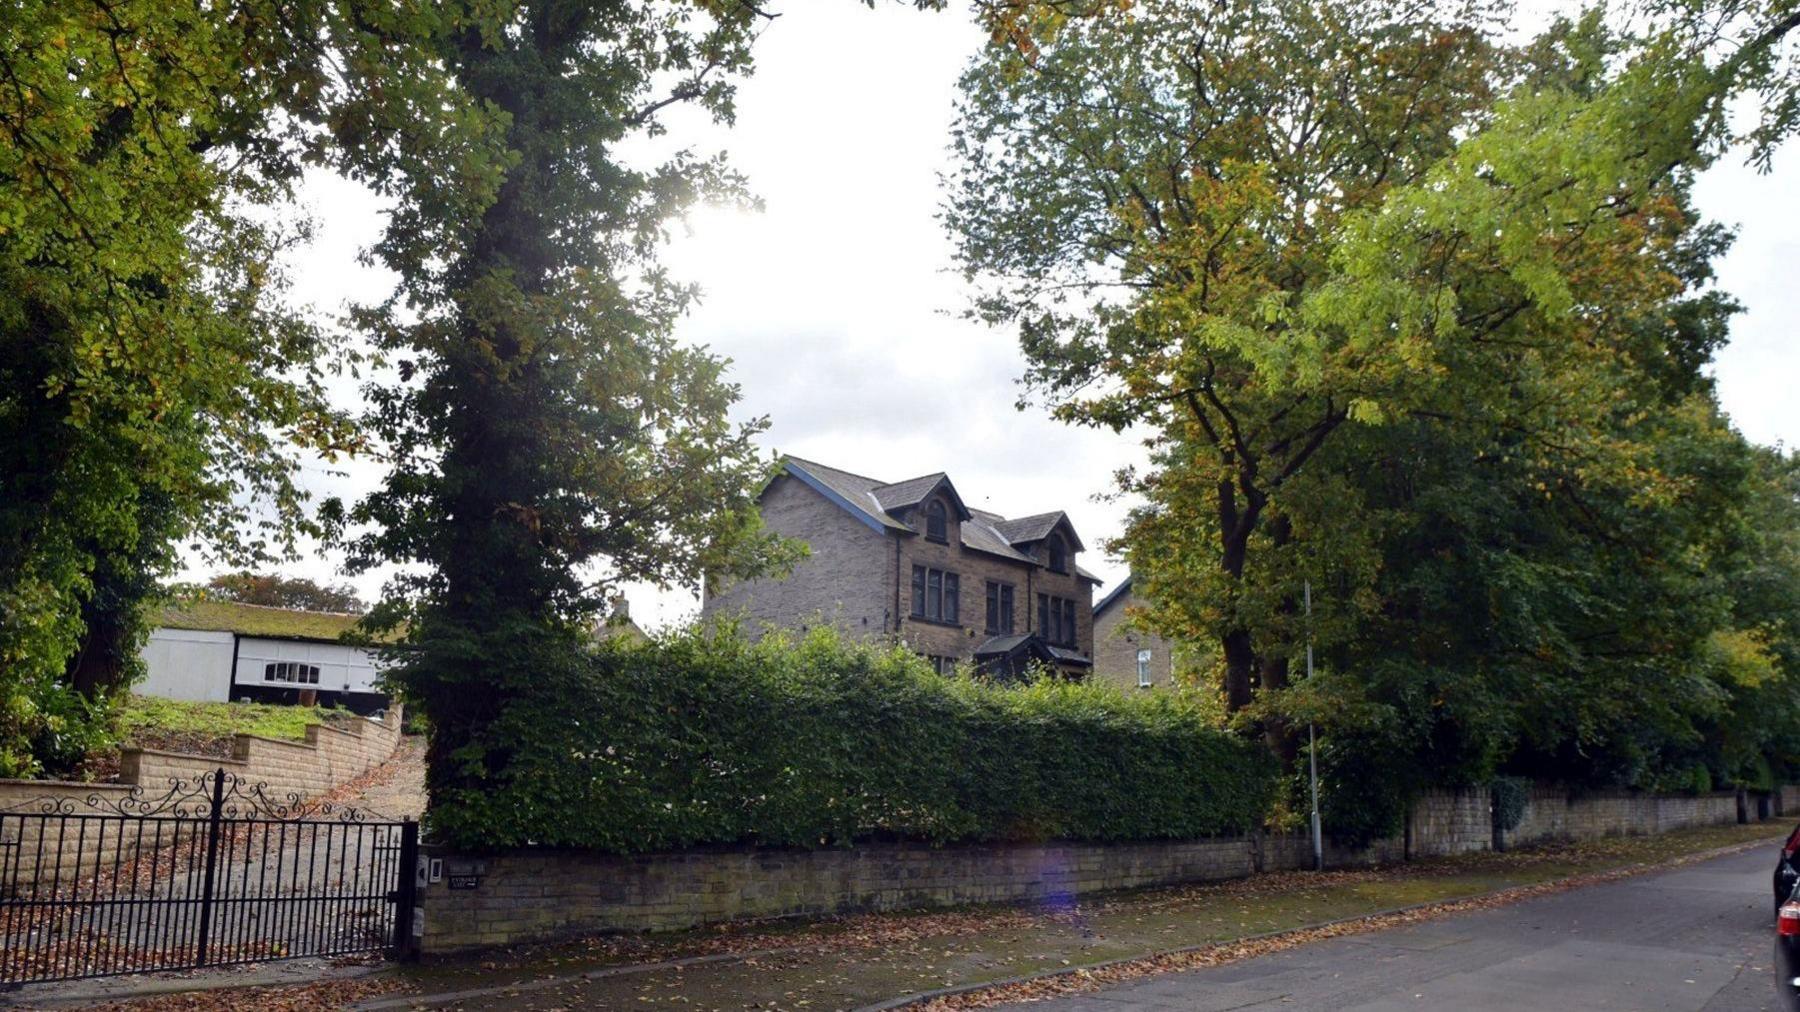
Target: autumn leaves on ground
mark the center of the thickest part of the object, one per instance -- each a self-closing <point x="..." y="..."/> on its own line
<point x="854" y="961"/>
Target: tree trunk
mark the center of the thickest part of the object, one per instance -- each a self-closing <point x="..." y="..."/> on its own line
<point x="1240" y="665"/>
<point x="96" y="667"/>
<point x="1273" y="670"/>
<point x="1272" y="674"/>
<point x="1236" y="644"/>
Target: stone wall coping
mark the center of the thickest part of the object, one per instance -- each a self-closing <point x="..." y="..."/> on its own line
<point x="210" y="760"/>
<point x="241" y="742"/>
<point x="865" y="846"/>
<point x="85" y="785"/>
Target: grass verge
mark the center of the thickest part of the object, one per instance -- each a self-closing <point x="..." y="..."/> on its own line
<point x="207" y="728"/>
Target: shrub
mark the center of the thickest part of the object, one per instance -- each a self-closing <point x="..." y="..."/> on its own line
<point x="1510" y="795"/>
<point x="703" y="738"/>
<point x="71" y="726"/>
<point x="1700" y="780"/>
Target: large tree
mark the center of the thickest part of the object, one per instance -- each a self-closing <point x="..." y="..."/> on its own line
<point x="1259" y="230"/>
<point x="150" y="374"/>
<point x="550" y="437"/>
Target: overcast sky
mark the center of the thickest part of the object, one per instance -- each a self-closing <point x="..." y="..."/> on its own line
<point x="838" y="311"/>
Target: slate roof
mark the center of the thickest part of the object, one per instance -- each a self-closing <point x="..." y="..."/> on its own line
<point x="870" y="501"/>
<point x="979" y="534"/>
<point x="907" y="493"/>
<point x="1112" y="597"/>
<point x="856" y="492"/>
<point x="1036" y="528"/>
<point x="1001" y="646"/>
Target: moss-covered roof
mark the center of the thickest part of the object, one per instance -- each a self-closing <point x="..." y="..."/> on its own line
<point x="256" y="620"/>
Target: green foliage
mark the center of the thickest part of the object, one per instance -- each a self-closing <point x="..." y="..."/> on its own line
<point x="1700" y="781"/>
<point x="1417" y="315"/>
<point x="705" y="739"/>
<point x="272" y="590"/>
<point x="152" y="382"/>
<point x="69" y="726"/>
<point x="1362" y="798"/>
<point x="1509" y="795"/>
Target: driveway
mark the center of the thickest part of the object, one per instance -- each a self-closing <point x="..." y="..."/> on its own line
<point x="1700" y="937"/>
<point x="311" y="886"/>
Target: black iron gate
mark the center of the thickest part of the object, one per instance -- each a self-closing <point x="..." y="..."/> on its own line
<point x="209" y="873"/>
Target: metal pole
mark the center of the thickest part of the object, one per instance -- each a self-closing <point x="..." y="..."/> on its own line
<point x="1312" y="747"/>
<point x="406" y="897"/>
<point x="212" y="862"/>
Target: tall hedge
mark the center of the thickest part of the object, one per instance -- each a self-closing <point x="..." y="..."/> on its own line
<point x="706" y="739"/>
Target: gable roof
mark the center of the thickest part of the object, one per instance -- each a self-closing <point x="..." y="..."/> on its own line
<point x="1113" y="596"/>
<point x="1029" y="643"/>
<point x="903" y="495"/>
<point x="1038" y="527"/>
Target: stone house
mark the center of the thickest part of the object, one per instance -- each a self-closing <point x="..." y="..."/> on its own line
<point x="1124" y="654"/>
<point x="910" y="560"/>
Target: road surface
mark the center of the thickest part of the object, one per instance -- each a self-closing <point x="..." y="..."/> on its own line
<point x="1698" y="937"/>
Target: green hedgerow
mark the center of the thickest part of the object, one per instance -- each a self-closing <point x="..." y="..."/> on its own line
<point x="703" y="738"/>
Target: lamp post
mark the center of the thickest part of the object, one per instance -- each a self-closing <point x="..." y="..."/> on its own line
<point x="1312" y="747"/>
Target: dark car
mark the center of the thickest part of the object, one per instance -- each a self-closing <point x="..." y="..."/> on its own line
<point x="1787" y="869"/>
<point x="1787" y="945"/>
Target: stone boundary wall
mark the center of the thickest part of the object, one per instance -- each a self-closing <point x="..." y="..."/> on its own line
<point x="536" y="893"/>
<point x="70" y="847"/>
<point x="1553" y="814"/>
<point x="530" y="894"/>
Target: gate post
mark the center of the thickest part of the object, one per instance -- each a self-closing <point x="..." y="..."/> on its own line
<point x="406" y="897"/>
<point x="212" y="861"/>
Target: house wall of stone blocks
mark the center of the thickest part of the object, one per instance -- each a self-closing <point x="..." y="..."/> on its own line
<point x="974" y="569"/>
<point x="1116" y="645"/>
<point x="51" y="852"/>
<point x="541" y="893"/>
<point x="847" y="579"/>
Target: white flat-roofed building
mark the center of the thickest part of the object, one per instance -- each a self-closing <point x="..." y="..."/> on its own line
<point x="220" y="650"/>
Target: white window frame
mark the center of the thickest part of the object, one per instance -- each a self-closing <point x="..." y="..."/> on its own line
<point x="1143" y="665"/>
<point x="291" y="673"/>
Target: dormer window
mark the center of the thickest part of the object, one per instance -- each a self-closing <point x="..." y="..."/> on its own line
<point x="937" y="521"/>
<point x="1059" y="555"/>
